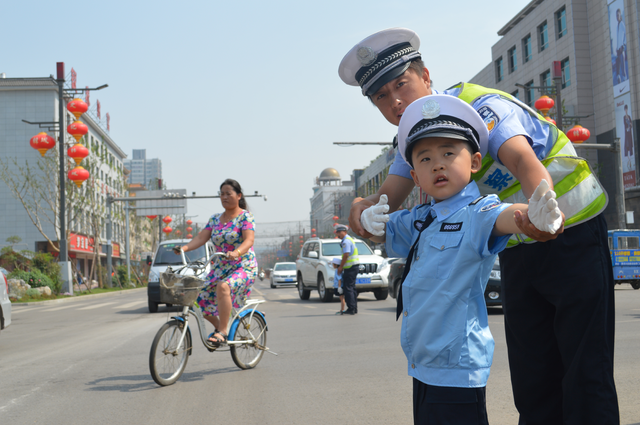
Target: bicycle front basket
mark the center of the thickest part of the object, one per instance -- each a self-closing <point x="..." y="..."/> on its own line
<point x="179" y="290"/>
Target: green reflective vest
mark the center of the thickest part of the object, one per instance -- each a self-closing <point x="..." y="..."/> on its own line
<point x="579" y="193"/>
<point x="353" y="258"/>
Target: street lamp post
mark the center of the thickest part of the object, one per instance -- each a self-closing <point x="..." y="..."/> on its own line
<point x="60" y="127"/>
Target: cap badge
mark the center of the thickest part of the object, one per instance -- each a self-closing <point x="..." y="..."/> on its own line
<point x="430" y="109"/>
<point x="366" y="55"/>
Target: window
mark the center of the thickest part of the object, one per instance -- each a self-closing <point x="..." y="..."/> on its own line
<point x="628" y="242"/>
<point x="513" y="60"/>
<point x="566" y="73"/>
<point x="526" y="49"/>
<point x="529" y="93"/>
<point x="561" y="22"/>
<point x="543" y="37"/>
<point x="545" y="78"/>
<point x="499" y="70"/>
<point x="516" y="94"/>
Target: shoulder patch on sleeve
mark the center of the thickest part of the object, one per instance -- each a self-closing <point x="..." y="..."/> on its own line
<point x="490" y="118"/>
<point x="490" y="207"/>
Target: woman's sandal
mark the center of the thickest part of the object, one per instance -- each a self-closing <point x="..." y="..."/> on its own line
<point x="217" y="341"/>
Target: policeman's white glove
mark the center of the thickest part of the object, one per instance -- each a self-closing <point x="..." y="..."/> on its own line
<point x="543" y="209"/>
<point x="339" y="290"/>
<point x="373" y="219"/>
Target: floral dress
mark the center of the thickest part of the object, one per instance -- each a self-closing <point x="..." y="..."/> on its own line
<point x="238" y="274"/>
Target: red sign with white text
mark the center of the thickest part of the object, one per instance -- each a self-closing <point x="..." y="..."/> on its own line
<point x="80" y="243"/>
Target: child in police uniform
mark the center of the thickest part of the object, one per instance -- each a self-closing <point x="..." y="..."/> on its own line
<point x="337" y="283"/>
<point x="450" y="246"/>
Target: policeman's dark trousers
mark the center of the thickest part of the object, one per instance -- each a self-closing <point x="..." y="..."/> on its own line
<point x="349" y="288"/>
<point x="448" y="405"/>
<point x="558" y="305"/>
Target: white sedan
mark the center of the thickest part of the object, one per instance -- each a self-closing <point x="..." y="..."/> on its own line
<point x="283" y="274"/>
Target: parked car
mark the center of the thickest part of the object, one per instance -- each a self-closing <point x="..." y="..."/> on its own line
<point x="492" y="293"/>
<point x="165" y="257"/>
<point x="314" y="269"/>
<point x="283" y="274"/>
<point x="5" y="303"/>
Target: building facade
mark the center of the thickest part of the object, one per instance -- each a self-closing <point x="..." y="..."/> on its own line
<point x="596" y="45"/>
<point x="144" y="171"/>
<point x="36" y="100"/>
<point x="330" y="193"/>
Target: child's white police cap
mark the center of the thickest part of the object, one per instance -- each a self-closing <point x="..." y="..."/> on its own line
<point x="336" y="261"/>
<point x="379" y="58"/>
<point x="441" y="115"/>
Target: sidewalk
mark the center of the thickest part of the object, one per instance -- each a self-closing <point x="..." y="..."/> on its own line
<point x="76" y="298"/>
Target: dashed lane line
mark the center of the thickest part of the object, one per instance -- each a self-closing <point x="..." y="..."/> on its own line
<point x="91" y="307"/>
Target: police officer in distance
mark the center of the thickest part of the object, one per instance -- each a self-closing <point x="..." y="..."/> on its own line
<point x="349" y="266"/>
<point x="559" y="315"/>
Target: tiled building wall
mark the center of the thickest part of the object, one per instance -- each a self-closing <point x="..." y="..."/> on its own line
<point x="31" y="105"/>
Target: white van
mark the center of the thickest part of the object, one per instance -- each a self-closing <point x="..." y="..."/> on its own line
<point x="165" y="257"/>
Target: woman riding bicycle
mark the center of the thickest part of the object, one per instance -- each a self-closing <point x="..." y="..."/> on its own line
<point x="230" y="278"/>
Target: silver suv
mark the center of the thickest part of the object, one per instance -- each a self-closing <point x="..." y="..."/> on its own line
<point x="315" y="271"/>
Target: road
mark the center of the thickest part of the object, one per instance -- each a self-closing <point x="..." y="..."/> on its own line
<point x="86" y="361"/>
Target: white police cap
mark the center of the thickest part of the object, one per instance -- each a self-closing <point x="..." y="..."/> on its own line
<point x="441" y="115"/>
<point x="379" y="58"/>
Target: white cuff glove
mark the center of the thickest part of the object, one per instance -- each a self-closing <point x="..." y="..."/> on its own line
<point x="339" y="290"/>
<point x="373" y="219"/>
<point x="543" y="209"/>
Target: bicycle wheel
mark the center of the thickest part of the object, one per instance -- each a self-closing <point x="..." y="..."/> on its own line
<point x="250" y="328"/>
<point x="166" y="361"/>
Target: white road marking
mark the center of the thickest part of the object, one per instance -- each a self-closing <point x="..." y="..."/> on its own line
<point x="133" y="304"/>
<point x="91" y="307"/>
<point x="59" y="308"/>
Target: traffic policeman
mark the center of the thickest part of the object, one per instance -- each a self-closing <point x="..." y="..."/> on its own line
<point x="559" y="314"/>
<point x="349" y="268"/>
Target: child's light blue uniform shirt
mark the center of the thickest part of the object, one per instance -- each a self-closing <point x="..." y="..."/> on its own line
<point x="336" y="277"/>
<point x="445" y="332"/>
<point x="509" y="121"/>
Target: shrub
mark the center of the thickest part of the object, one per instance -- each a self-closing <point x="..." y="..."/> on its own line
<point x="35" y="278"/>
<point x="32" y="293"/>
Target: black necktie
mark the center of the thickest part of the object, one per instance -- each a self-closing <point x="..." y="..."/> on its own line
<point x="428" y="220"/>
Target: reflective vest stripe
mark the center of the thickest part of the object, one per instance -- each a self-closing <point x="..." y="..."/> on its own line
<point x="353" y="258"/>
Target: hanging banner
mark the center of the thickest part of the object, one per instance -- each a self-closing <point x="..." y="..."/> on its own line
<point x="618" y="41"/>
<point x="624" y="130"/>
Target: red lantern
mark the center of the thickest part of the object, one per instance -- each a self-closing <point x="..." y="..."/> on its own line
<point x="152" y="217"/>
<point x="551" y="120"/>
<point x="77" y="129"/>
<point x="543" y="104"/>
<point x="336" y="218"/>
<point x="78" y="152"/>
<point x="313" y="236"/>
<point x="42" y="142"/>
<point x="77" y="107"/>
<point x="78" y="175"/>
<point x="189" y="222"/>
<point x="578" y="134"/>
<point x="190" y="236"/>
<point x="167" y="230"/>
<point x="313" y="230"/>
<point x="167" y="220"/>
<point x="189" y="229"/>
<point x="178" y="232"/>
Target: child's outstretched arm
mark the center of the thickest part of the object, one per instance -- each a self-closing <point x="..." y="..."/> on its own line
<point x="542" y="210"/>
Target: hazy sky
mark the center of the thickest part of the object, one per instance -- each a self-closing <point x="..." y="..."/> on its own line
<point x="247" y="90"/>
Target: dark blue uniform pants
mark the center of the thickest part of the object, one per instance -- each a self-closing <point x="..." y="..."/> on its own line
<point x="349" y="287"/>
<point x="448" y="405"/>
<point x="559" y="320"/>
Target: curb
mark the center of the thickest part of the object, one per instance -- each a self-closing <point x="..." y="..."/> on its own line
<point x="76" y="298"/>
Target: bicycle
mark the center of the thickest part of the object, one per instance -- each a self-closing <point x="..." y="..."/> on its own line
<point x="172" y="345"/>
